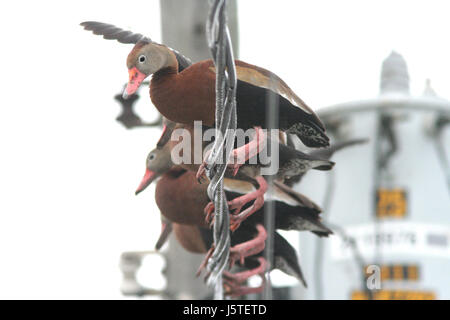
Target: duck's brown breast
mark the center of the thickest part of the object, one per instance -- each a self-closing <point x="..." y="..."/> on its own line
<point x="186" y="96"/>
<point x="182" y="199"/>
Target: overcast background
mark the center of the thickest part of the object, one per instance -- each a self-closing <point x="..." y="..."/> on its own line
<point x="68" y="171"/>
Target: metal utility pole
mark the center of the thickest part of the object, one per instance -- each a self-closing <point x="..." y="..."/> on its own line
<point x="184" y="29"/>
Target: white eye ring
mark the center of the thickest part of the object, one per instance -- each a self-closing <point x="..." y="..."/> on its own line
<point x="142" y="58"/>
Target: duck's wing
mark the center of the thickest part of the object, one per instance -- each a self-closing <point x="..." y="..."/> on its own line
<point x="300" y="212"/>
<point x="294" y="116"/>
<point x="282" y="191"/>
<point x="285" y="258"/>
<point x="266" y="79"/>
<point x="111" y="32"/>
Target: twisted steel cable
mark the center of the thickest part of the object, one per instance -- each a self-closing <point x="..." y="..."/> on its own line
<point x="219" y="42"/>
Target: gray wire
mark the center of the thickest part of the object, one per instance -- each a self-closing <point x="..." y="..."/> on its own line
<point x="440" y="149"/>
<point x="221" y="49"/>
<point x="272" y="116"/>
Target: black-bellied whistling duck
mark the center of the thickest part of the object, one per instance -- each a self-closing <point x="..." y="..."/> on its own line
<point x="291" y="163"/>
<point x="290" y="215"/>
<point x="177" y="189"/>
<point x="284" y="257"/>
<point x="189" y="95"/>
<point x="181" y="199"/>
<point x="158" y="163"/>
<point x="196" y="239"/>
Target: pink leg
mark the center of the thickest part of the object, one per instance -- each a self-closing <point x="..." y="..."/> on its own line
<point x="209" y="212"/>
<point x="241" y="277"/>
<point x="205" y="261"/>
<point x="241" y="154"/>
<point x="243" y="250"/>
<point x="237" y="204"/>
<point x="201" y="172"/>
<point x="251" y="149"/>
<point x="238" y="253"/>
<point x="234" y="281"/>
<point x="237" y="291"/>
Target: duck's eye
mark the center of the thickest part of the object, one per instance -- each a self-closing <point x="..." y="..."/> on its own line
<point x="142" y="58"/>
<point x="151" y="157"/>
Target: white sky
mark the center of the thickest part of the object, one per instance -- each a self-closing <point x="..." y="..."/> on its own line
<point x="68" y="172"/>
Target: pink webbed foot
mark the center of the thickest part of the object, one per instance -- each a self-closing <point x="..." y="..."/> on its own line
<point x="249" y="248"/>
<point x="241" y="277"/>
<point x="235" y="205"/>
<point x="238" y="155"/>
<point x="209" y="213"/>
<point x="201" y="173"/>
<point x="238" y="253"/>
<point x="205" y="261"/>
<point x="237" y="291"/>
<point x="233" y="282"/>
<point x="247" y="151"/>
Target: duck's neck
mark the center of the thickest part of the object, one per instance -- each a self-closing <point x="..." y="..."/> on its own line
<point x="167" y="73"/>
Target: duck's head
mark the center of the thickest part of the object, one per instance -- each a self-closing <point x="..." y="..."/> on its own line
<point x="158" y="162"/>
<point x="145" y="59"/>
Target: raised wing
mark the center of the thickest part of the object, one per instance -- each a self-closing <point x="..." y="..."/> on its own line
<point x="111" y="32"/>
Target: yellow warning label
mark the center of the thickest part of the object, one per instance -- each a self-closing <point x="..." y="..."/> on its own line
<point x="391" y="203"/>
<point x="393" y="295"/>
